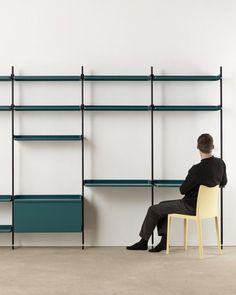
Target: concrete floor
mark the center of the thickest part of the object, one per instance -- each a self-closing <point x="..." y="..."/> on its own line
<point x="114" y="270"/>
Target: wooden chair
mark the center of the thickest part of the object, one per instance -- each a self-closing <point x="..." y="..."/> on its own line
<point x="207" y="207"/>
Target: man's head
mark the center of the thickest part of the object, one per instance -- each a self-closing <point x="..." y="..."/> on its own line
<point x="205" y="143"/>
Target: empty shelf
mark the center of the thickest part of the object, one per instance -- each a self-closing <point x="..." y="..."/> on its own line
<point x="187" y="108"/>
<point x="117" y="78"/>
<point x="117" y="183"/>
<point x="47" y="137"/>
<point x="45" y="198"/>
<point x="5" y="78"/>
<point x="116" y="108"/>
<point x="5" y="228"/>
<point x="5" y="198"/>
<point x="187" y="78"/>
<point x="48" y="108"/>
<point x="47" y="78"/>
<point x="5" y="108"/>
<point x="168" y="183"/>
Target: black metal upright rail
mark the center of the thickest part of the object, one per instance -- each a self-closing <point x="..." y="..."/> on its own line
<point x="82" y="127"/>
<point x="221" y="155"/>
<point x="12" y="155"/>
<point x="152" y="145"/>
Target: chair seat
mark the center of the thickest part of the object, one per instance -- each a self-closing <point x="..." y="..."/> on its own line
<point x="183" y="216"/>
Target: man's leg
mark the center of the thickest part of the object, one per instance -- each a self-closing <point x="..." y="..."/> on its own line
<point x="157" y="216"/>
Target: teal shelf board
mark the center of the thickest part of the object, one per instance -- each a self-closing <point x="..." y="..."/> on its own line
<point x="5" y="198"/>
<point x="5" y="228"/>
<point x="47" y="78"/>
<point x="49" y="198"/>
<point x="48" y="137"/>
<point x="167" y="183"/>
<point x="117" y="183"/>
<point x="187" y="107"/>
<point x="116" y="78"/>
<point x="187" y="78"/>
<point x="5" y="108"/>
<point x="47" y="108"/>
<point x="117" y="108"/>
<point x="5" y="78"/>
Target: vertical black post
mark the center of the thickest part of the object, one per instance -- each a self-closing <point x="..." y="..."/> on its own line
<point x="82" y="127"/>
<point x="152" y="146"/>
<point x="12" y="155"/>
<point x="221" y="155"/>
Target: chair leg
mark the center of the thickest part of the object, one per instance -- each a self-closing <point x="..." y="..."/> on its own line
<point x="185" y="234"/>
<point x="218" y="235"/>
<point x="168" y="234"/>
<point x="199" y="230"/>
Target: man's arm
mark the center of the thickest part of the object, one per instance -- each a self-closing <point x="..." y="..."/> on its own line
<point x="224" y="178"/>
<point x="190" y="181"/>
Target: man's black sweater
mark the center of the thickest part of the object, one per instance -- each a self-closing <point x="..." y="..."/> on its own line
<point x="210" y="172"/>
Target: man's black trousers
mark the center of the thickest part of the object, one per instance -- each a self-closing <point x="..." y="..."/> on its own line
<point x="157" y="216"/>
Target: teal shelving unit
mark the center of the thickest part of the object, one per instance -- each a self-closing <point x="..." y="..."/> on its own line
<point x="33" y="213"/>
<point x="43" y="213"/>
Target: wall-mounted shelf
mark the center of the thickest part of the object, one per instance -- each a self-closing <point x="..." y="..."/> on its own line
<point x="47" y="78"/>
<point x="116" y="78"/>
<point x="117" y="183"/>
<point x="47" y="137"/>
<point x="5" y="198"/>
<point x="5" y="108"/>
<point x="167" y="182"/>
<point x="187" y="108"/>
<point x="116" y="108"/>
<point x="187" y="78"/>
<point x="5" y="228"/>
<point x="47" y="108"/>
<point x="5" y="78"/>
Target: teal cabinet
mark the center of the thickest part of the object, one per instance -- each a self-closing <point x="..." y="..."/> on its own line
<point x="55" y="213"/>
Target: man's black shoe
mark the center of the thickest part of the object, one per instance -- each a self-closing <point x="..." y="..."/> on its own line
<point x="141" y="245"/>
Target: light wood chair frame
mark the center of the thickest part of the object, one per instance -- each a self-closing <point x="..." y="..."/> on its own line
<point x="207" y="207"/>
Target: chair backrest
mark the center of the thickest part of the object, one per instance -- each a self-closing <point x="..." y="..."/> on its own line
<point x="207" y="201"/>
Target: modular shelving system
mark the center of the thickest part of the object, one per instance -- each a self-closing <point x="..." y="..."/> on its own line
<point x="68" y="210"/>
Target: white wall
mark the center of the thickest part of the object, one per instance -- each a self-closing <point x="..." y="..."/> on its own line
<point x="115" y="37"/>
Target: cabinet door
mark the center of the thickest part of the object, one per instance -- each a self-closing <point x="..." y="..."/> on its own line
<point x="47" y="215"/>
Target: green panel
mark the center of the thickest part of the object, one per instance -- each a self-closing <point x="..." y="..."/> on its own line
<point x="187" y="108"/>
<point x="117" y="183"/>
<point x="187" y="78"/>
<point x="55" y="213"/>
<point x="117" y="78"/>
<point x="47" y="137"/>
<point x="5" y="198"/>
<point x="5" y="78"/>
<point x="48" y="108"/>
<point x="47" y="78"/>
<point x="168" y="183"/>
<point x="116" y="108"/>
<point x="5" y="228"/>
<point x="5" y="108"/>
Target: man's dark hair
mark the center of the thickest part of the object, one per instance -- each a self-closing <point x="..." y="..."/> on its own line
<point x="205" y="143"/>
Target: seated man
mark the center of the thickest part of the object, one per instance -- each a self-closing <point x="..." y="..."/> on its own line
<point x="211" y="171"/>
